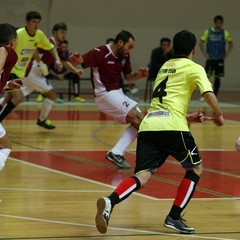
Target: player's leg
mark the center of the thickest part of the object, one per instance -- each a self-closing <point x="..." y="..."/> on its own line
<point x="39" y="83"/>
<point x="49" y="98"/>
<point x="119" y="106"/>
<point x="134" y="117"/>
<point x="219" y="72"/>
<point x="76" y="88"/>
<point x="15" y="98"/>
<point x="12" y="100"/>
<point x="147" y="159"/>
<point x="5" y="147"/>
<point x="186" y="152"/>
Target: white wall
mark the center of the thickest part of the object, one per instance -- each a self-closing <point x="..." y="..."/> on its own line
<point x="90" y="22"/>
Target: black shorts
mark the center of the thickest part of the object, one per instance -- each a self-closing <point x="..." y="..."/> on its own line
<point x="12" y="76"/>
<point x="153" y="148"/>
<point x="216" y="66"/>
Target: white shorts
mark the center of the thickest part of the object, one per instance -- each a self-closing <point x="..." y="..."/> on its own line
<point x="2" y="131"/>
<point x="115" y="104"/>
<point x="35" y="81"/>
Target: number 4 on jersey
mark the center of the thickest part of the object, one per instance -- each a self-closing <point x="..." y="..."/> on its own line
<point x="159" y="91"/>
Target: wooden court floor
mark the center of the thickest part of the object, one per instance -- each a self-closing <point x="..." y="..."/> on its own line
<point x="52" y="179"/>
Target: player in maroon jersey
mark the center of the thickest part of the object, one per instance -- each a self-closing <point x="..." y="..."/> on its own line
<point x="107" y="63"/>
<point x="8" y="58"/>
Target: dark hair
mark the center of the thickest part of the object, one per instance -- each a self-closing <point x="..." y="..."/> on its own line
<point x="218" y="18"/>
<point x="109" y="40"/>
<point x="64" y="42"/>
<point x="162" y="40"/>
<point x="59" y="26"/>
<point x="33" y="15"/>
<point x="183" y="43"/>
<point x="7" y="33"/>
<point x="124" y="36"/>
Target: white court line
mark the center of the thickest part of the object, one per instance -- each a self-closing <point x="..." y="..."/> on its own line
<point x="77" y="177"/>
<point x="113" y="228"/>
<point x="99" y="183"/>
<point x="53" y="190"/>
<point x="93" y="226"/>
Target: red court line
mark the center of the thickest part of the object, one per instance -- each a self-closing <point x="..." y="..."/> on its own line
<point x="72" y="115"/>
<point x="94" y="166"/>
<point x="80" y="115"/>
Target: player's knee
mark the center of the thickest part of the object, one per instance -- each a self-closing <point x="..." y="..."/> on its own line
<point x="135" y="117"/>
<point x="198" y="169"/>
<point x="51" y="95"/>
<point x="143" y="177"/>
<point x="18" y="98"/>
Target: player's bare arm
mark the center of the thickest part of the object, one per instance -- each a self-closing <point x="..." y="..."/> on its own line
<point x="72" y="69"/>
<point x="58" y="62"/>
<point x="3" y="57"/>
<point x="132" y="77"/>
<point x="211" y="99"/>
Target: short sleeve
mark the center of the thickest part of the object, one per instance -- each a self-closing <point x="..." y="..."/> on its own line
<point x="227" y="36"/>
<point x="44" y="42"/>
<point x="199" y="78"/>
<point x="205" y="36"/>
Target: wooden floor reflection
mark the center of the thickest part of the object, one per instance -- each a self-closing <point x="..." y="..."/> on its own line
<point x="52" y="180"/>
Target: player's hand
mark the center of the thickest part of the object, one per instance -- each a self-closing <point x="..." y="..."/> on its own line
<point x="218" y="120"/>
<point x="142" y="72"/>
<point x="75" y="58"/>
<point x="79" y="72"/>
<point x="44" y="68"/>
<point x="196" y="117"/>
<point x="14" y="84"/>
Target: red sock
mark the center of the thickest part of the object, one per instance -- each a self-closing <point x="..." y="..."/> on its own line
<point x="125" y="189"/>
<point x="184" y="193"/>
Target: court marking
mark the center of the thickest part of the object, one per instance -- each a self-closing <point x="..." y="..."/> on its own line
<point x="156" y="177"/>
<point x="74" y="176"/>
<point x="145" y="232"/>
<point x="93" y="226"/>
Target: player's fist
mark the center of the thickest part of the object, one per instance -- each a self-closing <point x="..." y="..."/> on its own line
<point x="44" y="68"/>
<point x="143" y="72"/>
<point x="13" y="84"/>
<point x="75" y="58"/>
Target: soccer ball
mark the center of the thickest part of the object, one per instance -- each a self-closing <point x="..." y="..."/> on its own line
<point x="238" y="144"/>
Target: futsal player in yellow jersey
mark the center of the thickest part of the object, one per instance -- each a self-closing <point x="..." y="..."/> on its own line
<point x="164" y="131"/>
<point x="29" y="39"/>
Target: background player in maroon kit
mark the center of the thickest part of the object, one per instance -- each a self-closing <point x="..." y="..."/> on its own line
<point x="107" y="63"/>
<point x="8" y="58"/>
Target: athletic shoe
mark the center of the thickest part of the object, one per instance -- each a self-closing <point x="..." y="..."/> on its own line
<point x="59" y="100"/>
<point x="104" y="210"/>
<point x="79" y="99"/>
<point x="46" y="124"/>
<point x="118" y="160"/>
<point x="39" y="98"/>
<point x="178" y="225"/>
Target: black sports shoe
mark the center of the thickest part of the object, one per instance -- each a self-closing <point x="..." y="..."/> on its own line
<point x="104" y="209"/>
<point x="178" y="225"/>
<point x="118" y="160"/>
<point x="46" y="124"/>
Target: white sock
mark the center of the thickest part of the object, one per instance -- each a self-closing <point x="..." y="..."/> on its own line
<point x="46" y="108"/>
<point x="129" y="135"/>
<point x="4" y="153"/>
